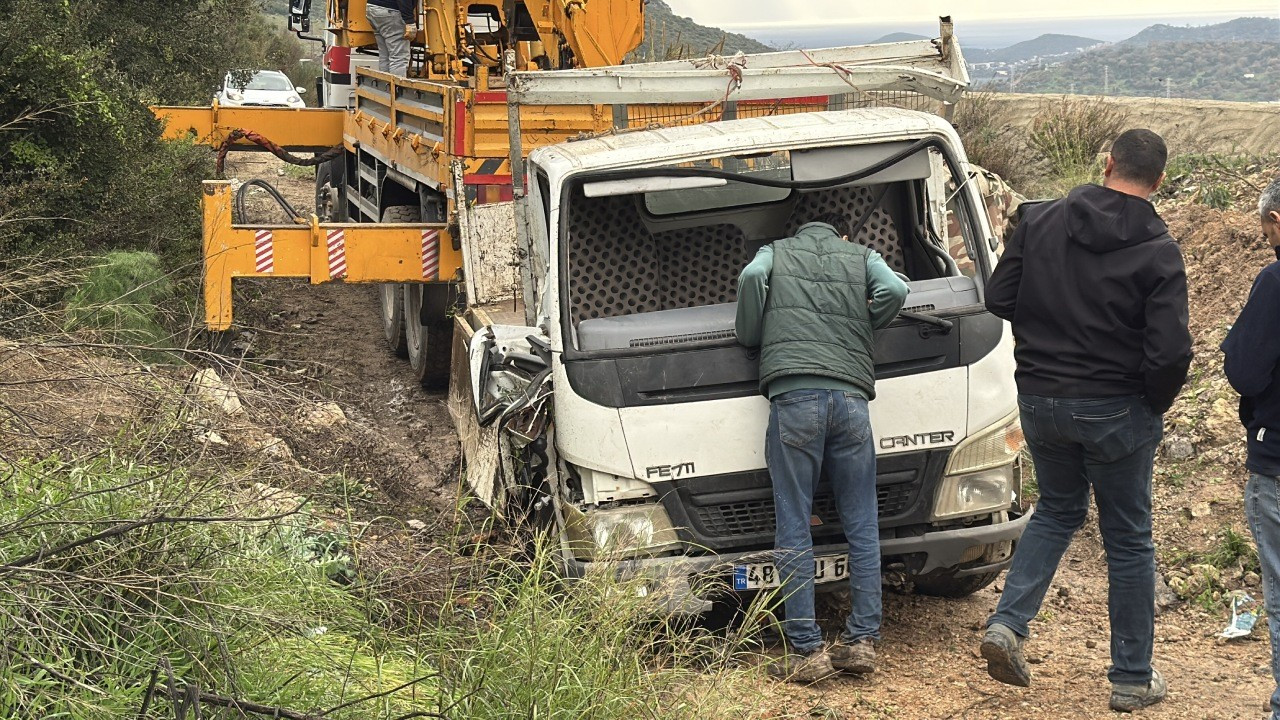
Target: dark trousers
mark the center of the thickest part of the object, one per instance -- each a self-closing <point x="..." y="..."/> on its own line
<point x="1107" y="445"/>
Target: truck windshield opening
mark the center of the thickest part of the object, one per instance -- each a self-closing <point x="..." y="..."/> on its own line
<point x="656" y="270"/>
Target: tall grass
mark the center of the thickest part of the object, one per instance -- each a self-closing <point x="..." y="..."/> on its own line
<point x="120" y="582"/>
<point x="992" y="139"/>
<point x="1069" y="134"/>
<point x="120" y="298"/>
<point x="530" y="644"/>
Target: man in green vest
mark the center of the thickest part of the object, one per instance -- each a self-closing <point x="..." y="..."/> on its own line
<point x="812" y="302"/>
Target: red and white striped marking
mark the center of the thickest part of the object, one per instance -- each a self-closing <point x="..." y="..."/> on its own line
<point x="430" y="254"/>
<point x="264" y="252"/>
<point x="337" y="254"/>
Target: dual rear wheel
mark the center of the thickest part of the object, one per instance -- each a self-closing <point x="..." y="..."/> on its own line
<point x="416" y="319"/>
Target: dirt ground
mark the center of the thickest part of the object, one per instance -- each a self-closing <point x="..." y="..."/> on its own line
<point x="929" y="668"/>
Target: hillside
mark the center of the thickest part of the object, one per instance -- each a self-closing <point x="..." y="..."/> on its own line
<point x="1047" y="45"/>
<point x="1238" y="71"/>
<point x="669" y="36"/>
<point x="1246" y="29"/>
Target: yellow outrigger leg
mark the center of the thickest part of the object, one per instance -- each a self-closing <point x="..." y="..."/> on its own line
<point x="319" y="252"/>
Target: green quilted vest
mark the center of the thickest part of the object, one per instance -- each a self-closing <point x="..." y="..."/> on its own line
<point x="816" y="320"/>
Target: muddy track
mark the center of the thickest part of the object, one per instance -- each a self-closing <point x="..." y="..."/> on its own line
<point x="929" y="666"/>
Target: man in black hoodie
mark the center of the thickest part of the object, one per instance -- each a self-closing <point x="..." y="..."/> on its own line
<point x="1253" y="367"/>
<point x="1097" y="293"/>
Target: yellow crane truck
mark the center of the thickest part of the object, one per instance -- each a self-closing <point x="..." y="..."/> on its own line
<point x="407" y="152"/>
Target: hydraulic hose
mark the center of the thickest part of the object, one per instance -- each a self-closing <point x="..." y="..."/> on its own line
<point x="239" y="213"/>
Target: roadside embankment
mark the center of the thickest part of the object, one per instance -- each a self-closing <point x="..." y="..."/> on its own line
<point x="1190" y="126"/>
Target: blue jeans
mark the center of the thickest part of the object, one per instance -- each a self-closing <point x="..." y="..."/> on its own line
<point x="1262" y="508"/>
<point x="809" y="431"/>
<point x="1109" y="445"/>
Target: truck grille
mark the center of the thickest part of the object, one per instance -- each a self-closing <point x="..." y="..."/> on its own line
<point x="751" y="517"/>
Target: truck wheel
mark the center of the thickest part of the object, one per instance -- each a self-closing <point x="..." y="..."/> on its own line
<point x="944" y="583"/>
<point x="391" y="295"/>
<point x="391" y="308"/>
<point x="430" y="344"/>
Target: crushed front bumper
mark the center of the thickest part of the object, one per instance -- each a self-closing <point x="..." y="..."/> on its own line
<point x="673" y="576"/>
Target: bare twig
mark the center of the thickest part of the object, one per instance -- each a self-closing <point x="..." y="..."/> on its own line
<point x="128" y="527"/>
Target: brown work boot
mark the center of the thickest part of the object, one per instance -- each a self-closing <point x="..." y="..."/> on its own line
<point x="804" y="669"/>
<point x="858" y="656"/>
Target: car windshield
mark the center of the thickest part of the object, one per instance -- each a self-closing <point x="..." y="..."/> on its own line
<point x="260" y="81"/>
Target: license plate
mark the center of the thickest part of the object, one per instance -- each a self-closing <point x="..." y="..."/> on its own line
<point x="759" y="576"/>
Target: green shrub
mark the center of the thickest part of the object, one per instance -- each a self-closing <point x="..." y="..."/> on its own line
<point x="991" y="139"/>
<point x="120" y="298"/>
<point x="82" y="168"/>
<point x="1216" y="196"/>
<point x="1069" y="134"/>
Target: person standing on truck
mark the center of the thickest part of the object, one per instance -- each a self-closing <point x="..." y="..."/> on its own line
<point x="811" y="303"/>
<point x="1252" y="364"/>
<point x="393" y="27"/>
<point x="1097" y="293"/>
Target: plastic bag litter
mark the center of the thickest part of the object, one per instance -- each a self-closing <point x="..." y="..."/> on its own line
<point x="1243" y="616"/>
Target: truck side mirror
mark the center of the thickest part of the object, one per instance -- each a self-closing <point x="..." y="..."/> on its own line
<point x="300" y="16"/>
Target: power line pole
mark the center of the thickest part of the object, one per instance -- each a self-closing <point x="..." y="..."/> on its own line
<point x="1168" y="88"/>
<point x="1106" y="79"/>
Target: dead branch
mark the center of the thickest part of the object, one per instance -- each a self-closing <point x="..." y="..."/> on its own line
<point x="124" y="528"/>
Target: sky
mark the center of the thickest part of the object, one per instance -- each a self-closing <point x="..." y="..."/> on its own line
<point x="986" y="21"/>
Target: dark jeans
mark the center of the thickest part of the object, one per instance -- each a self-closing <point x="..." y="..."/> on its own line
<point x="1262" y="508"/>
<point x="1109" y="445"/>
<point x="809" y="431"/>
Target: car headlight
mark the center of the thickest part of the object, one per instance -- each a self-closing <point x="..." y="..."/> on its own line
<point x="294" y="99"/>
<point x="980" y="475"/>
<point x="619" y="533"/>
<point x="231" y="95"/>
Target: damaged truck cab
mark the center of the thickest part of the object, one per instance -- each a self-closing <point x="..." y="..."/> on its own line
<point x="619" y="413"/>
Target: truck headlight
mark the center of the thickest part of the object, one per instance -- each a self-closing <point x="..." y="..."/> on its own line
<point x="974" y="494"/>
<point x="980" y="474"/>
<point x="991" y="447"/>
<point x="619" y="533"/>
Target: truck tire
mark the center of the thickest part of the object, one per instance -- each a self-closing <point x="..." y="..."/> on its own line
<point x="429" y="344"/>
<point x="391" y="295"/>
<point x="944" y="583"/>
<point x="330" y="190"/>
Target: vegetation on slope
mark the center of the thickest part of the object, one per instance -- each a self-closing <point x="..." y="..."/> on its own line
<point x="81" y="164"/>
<point x="1239" y="71"/>
<point x="669" y="36"/>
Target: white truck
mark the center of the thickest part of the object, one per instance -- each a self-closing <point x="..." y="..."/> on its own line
<point x="610" y="405"/>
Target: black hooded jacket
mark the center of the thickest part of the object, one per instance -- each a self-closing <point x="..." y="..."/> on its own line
<point x="1252" y="364"/>
<point x="1097" y="293"/>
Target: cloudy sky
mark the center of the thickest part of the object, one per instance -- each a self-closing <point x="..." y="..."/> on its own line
<point x="742" y="14"/>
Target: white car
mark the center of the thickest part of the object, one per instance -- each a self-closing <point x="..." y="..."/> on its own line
<point x="264" y="88"/>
